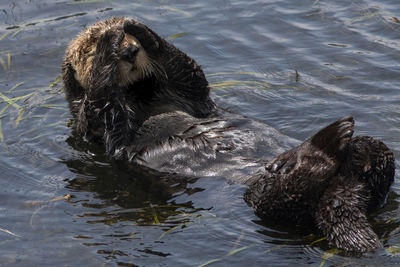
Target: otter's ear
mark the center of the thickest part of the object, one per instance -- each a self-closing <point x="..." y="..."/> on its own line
<point x="146" y="37"/>
<point x="333" y="139"/>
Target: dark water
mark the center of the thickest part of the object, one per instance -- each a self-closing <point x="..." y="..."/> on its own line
<point x="346" y="54"/>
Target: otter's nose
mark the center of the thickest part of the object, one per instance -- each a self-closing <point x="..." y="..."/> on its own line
<point x="129" y="53"/>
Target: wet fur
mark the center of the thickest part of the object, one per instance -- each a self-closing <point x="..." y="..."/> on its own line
<point x="156" y="111"/>
<point x="92" y="77"/>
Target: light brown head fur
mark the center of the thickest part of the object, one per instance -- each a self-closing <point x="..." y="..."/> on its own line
<point x="82" y="50"/>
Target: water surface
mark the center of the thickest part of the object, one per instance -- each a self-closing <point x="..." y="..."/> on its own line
<point x="346" y="55"/>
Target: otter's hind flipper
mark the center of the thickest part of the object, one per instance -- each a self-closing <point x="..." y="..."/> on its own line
<point x="328" y="144"/>
<point x="341" y="216"/>
<point x="373" y="163"/>
<point x="334" y="138"/>
<point x="294" y="182"/>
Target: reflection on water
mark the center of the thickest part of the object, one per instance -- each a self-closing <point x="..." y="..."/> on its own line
<point x="294" y="66"/>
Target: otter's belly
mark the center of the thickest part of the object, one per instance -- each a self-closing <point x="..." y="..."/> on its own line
<point x="227" y="145"/>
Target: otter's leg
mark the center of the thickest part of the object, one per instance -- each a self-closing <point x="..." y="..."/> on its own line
<point x="297" y="178"/>
<point x="341" y="215"/>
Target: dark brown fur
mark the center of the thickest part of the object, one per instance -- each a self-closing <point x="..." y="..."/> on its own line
<point x="178" y="83"/>
<point x="148" y="102"/>
<point x="330" y="182"/>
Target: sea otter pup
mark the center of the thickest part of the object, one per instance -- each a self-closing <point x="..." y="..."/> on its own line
<point x="148" y="102"/>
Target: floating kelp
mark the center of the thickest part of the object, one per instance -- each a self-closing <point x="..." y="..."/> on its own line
<point x="4" y="35"/>
<point x="60" y="107"/>
<point x="21" y="113"/>
<point x="17" y="32"/>
<point x="234" y="250"/>
<point x="366" y="15"/>
<point x="209" y="262"/>
<point x="255" y="74"/>
<point x="173" y="9"/>
<point x="36" y="203"/>
<point x="259" y="83"/>
<point x="177" y="35"/>
<point x="319" y="240"/>
<point x="1" y="131"/>
<point x="228" y="84"/>
<point x="327" y="255"/>
<point x="55" y="81"/>
<point x="395" y="249"/>
<point x="9" y="232"/>
<point x="21" y="104"/>
<point x="3" y="64"/>
<point x="6" y="64"/>
<point x="15" y="86"/>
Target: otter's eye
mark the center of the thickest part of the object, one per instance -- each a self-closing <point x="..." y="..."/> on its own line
<point x="129" y="53"/>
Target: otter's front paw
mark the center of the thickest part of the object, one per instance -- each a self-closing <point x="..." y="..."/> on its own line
<point x="108" y="46"/>
<point x="144" y="35"/>
<point x="104" y="65"/>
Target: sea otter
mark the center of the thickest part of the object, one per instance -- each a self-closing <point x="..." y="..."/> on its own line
<point x="148" y="102"/>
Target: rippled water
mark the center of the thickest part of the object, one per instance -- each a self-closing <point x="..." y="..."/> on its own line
<point x="346" y="55"/>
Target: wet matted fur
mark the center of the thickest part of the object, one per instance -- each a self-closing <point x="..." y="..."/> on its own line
<point x="148" y="102"/>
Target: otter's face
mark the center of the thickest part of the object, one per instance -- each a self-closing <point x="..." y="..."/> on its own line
<point x="134" y="63"/>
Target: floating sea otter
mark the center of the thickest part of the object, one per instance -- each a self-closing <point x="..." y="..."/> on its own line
<point x="149" y="103"/>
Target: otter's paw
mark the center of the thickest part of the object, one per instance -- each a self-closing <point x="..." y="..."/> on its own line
<point x="104" y="64"/>
<point x="108" y="45"/>
<point x="144" y="35"/>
